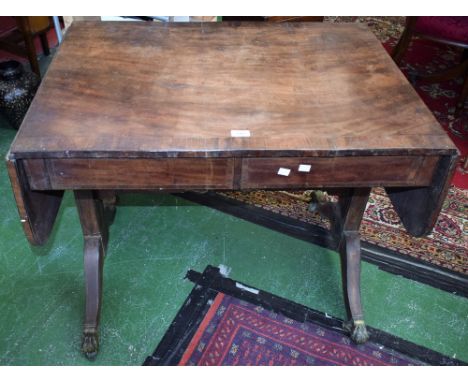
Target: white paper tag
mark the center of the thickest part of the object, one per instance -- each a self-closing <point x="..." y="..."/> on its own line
<point x="243" y="287"/>
<point x="240" y="133"/>
<point x="284" y="171"/>
<point x="304" y="168"/>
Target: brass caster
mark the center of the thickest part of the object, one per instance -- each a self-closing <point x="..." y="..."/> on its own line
<point x="358" y="331"/>
<point x="90" y="345"/>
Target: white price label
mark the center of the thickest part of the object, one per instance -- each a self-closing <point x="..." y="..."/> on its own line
<point x="240" y="133"/>
<point x="284" y="171"/>
<point x="304" y="168"/>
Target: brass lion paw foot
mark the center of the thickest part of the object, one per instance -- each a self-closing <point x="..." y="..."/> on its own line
<point x="358" y="331"/>
<point x="90" y="345"/>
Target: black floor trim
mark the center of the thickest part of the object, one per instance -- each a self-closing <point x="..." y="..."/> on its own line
<point x="211" y="281"/>
<point x="174" y="342"/>
<point x="387" y="260"/>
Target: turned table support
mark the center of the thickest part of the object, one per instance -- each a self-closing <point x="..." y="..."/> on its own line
<point x="95" y="211"/>
<point x="345" y="217"/>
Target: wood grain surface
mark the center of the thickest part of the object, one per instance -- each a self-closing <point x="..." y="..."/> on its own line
<point x="155" y="90"/>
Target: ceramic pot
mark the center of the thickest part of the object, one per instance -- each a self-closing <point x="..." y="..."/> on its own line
<point x="17" y="89"/>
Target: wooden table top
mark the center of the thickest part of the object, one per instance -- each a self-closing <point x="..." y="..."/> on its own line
<point x="156" y="90"/>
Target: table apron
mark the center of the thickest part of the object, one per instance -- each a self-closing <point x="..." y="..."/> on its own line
<point x="229" y="173"/>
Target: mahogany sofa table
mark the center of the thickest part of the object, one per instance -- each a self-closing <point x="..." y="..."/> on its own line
<point x="219" y="106"/>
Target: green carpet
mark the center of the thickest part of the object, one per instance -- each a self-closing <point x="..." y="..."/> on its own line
<point x="154" y="240"/>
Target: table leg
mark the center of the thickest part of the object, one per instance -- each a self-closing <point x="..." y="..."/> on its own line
<point x="95" y="232"/>
<point x="352" y="206"/>
<point x="345" y="217"/>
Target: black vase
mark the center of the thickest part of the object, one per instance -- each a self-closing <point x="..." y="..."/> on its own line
<point x="17" y="89"/>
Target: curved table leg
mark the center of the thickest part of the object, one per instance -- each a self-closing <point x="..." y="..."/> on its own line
<point x="95" y="232"/>
<point x="352" y="204"/>
<point x="345" y="217"/>
<point x="93" y="264"/>
<point x="351" y="250"/>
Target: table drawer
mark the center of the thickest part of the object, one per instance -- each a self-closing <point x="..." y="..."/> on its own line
<point x="337" y="171"/>
<point x="168" y="173"/>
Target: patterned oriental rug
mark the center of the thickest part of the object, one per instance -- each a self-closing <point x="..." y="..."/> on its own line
<point x="235" y="332"/>
<point x="224" y="323"/>
<point x="447" y="247"/>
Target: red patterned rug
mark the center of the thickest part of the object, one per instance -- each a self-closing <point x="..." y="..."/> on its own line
<point x="225" y="323"/>
<point x="235" y="332"/>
